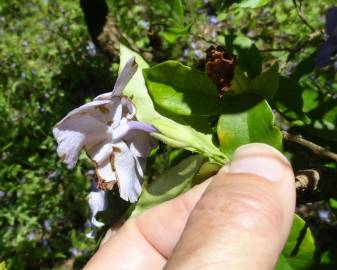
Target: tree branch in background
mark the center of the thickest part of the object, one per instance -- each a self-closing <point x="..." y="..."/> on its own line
<point x="301" y="16"/>
<point x="317" y="149"/>
<point x="95" y="14"/>
<point x="102" y="28"/>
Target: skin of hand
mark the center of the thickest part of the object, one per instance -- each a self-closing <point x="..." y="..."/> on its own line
<point x="238" y="219"/>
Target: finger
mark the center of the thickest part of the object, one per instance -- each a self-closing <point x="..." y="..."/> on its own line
<point x="145" y="242"/>
<point x="243" y="218"/>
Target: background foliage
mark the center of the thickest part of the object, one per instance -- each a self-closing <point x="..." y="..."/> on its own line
<point x="55" y="55"/>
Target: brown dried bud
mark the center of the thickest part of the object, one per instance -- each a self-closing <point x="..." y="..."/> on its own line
<point x="102" y="185"/>
<point x="220" y="68"/>
<point x="307" y="180"/>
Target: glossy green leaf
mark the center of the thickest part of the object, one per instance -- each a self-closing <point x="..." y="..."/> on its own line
<point x="182" y="90"/>
<point x="267" y="83"/>
<point x="254" y="122"/>
<point x="253" y="3"/>
<point x="168" y="186"/>
<point x="177" y="132"/>
<point x="299" y="250"/>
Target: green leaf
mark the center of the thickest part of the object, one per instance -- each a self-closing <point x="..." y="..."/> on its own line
<point x="310" y="100"/>
<point x="247" y="120"/>
<point x="249" y="59"/>
<point x="3" y="266"/>
<point x="266" y="84"/>
<point x="172" y="33"/>
<point x="239" y="84"/>
<point x="169" y="8"/>
<point x="243" y="42"/>
<point x="328" y="260"/>
<point x="253" y="3"/>
<point x="333" y="203"/>
<point x="288" y="100"/>
<point x="170" y="130"/>
<point x="306" y="66"/>
<point x="299" y="249"/>
<point x="168" y="186"/>
<point x="182" y="90"/>
<point x="283" y="264"/>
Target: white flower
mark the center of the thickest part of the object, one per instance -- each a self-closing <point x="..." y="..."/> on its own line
<point x="97" y="203"/>
<point x="108" y="131"/>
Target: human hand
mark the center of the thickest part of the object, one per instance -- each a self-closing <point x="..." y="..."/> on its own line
<point x="238" y="219"/>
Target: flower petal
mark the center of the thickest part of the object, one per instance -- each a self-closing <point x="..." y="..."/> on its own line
<point x="140" y="166"/>
<point x="131" y="112"/>
<point x="86" y="127"/>
<point x="75" y="132"/>
<point x="105" y="96"/>
<point x="125" y="129"/>
<point x="102" y="155"/>
<point x="140" y="143"/>
<point x="128" y="178"/>
<point x="124" y="77"/>
<point x="97" y="203"/>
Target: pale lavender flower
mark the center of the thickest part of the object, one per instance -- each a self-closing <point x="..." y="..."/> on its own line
<point x="108" y="131"/>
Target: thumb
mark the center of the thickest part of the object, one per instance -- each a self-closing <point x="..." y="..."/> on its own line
<point x="243" y="218"/>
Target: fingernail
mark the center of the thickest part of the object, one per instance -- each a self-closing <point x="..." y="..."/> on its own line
<point x="259" y="159"/>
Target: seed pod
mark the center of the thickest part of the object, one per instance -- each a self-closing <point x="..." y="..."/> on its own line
<point x="220" y="68"/>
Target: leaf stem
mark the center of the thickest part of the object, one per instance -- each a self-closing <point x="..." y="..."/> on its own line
<point x="317" y="149"/>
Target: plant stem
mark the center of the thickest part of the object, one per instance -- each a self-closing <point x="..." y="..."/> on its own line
<point x="301" y="16"/>
<point x="317" y="149"/>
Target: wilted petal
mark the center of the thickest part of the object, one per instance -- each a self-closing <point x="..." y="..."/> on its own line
<point x="86" y="127"/>
<point x="124" y="77"/>
<point x="128" y="178"/>
<point x="102" y="155"/>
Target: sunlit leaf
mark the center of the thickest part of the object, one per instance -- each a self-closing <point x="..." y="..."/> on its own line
<point x="253" y="3"/>
<point x="177" y="132"/>
<point x="299" y="250"/>
<point x="248" y="120"/>
<point x="182" y="90"/>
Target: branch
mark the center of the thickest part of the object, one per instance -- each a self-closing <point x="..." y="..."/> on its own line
<point x="300" y="14"/>
<point x="317" y="149"/>
<point x="276" y="50"/>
